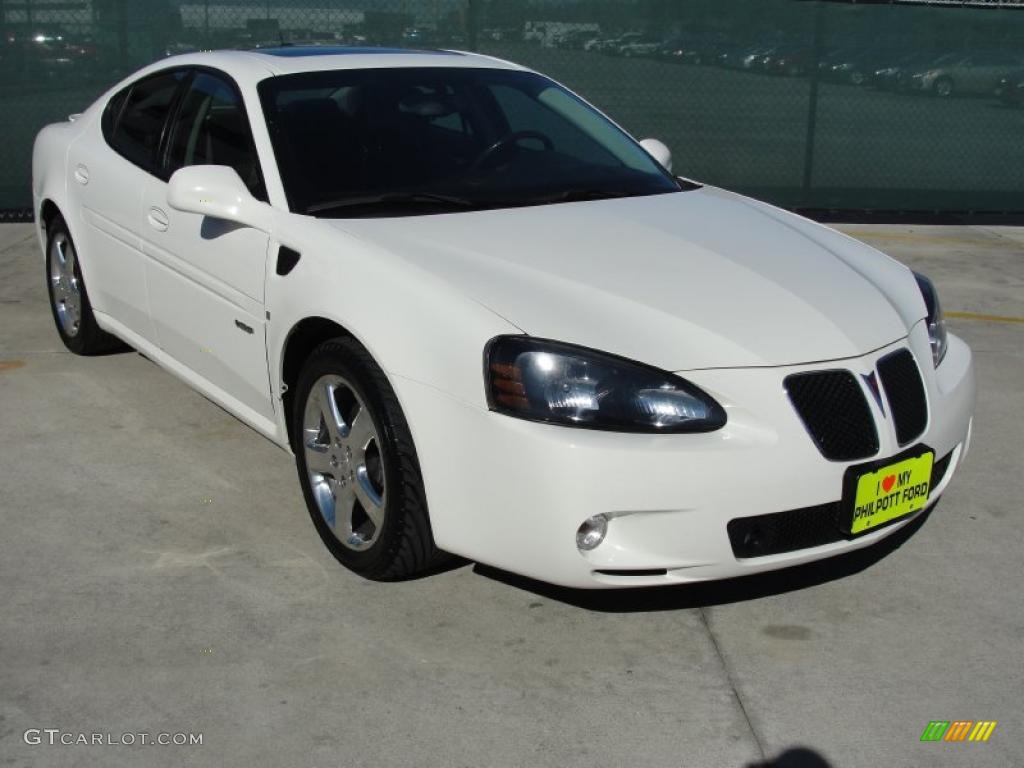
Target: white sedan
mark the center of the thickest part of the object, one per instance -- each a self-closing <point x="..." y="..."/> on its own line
<point x="489" y="322"/>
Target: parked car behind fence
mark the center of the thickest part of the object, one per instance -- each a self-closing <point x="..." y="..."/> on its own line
<point x="974" y="73"/>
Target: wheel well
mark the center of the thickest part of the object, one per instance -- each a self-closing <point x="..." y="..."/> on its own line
<point x="47" y="213"/>
<point x="306" y="336"/>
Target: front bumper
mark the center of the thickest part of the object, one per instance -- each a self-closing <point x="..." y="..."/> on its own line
<point x="511" y="493"/>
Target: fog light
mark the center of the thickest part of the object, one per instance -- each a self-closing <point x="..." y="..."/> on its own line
<point x="590" y="535"/>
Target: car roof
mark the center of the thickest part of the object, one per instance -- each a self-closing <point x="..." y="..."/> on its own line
<point x="259" y="64"/>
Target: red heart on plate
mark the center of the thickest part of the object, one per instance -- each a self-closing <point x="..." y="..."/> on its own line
<point x="888" y="483"/>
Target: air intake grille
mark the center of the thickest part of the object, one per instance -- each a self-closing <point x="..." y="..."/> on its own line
<point x="779" y="532"/>
<point x="903" y="389"/>
<point x="835" y="412"/>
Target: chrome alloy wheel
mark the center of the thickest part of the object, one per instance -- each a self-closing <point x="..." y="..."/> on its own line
<point x="67" y="293"/>
<point x="343" y="462"/>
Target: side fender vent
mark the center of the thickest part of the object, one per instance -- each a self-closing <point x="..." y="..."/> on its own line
<point x="286" y="260"/>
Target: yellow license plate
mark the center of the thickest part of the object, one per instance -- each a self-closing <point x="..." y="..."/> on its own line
<point x="891" y="491"/>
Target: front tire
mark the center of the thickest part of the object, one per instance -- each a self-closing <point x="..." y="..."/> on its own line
<point x="358" y="467"/>
<point x="944" y="87"/>
<point x="69" y="299"/>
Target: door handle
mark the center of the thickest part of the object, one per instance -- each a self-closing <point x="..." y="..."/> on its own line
<point x="82" y="175"/>
<point x="158" y="219"/>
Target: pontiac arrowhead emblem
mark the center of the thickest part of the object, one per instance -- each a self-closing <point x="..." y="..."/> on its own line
<point x="871" y="380"/>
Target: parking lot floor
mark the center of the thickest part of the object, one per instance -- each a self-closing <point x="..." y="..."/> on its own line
<point x="159" y="574"/>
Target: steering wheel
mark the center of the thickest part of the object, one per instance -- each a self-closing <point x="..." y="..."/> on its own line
<point x="510" y="139"/>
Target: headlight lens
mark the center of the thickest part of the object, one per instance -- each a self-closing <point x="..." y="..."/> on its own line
<point x="935" y="319"/>
<point x="564" y="384"/>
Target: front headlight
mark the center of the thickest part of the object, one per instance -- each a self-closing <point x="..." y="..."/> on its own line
<point x="559" y="383"/>
<point x="935" y="319"/>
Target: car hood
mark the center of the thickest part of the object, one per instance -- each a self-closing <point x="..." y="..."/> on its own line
<point x="698" y="279"/>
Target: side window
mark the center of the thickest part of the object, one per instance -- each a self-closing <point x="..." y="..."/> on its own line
<point x="136" y="134"/>
<point x="113" y="111"/>
<point x="211" y="128"/>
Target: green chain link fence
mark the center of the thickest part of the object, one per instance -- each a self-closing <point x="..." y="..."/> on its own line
<point x="915" y="106"/>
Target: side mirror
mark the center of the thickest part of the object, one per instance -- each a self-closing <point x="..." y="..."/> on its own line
<point x="659" y="152"/>
<point x="216" y="191"/>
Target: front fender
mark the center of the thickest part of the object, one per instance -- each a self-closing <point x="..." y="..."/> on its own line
<point x="414" y="324"/>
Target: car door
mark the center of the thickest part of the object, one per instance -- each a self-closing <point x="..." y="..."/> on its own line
<point x="108" y="170"/>
<point x="206" y="276"/>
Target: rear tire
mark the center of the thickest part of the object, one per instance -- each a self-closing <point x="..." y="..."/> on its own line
<point x="69" y="299"/>
<point x="943" y="87"/>
<point x="358" y="467"/>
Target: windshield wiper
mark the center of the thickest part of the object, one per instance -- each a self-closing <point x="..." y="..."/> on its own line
<point x="583" y="194"/>
<point x="580" y="195"/>
<point x="394" y="198"/>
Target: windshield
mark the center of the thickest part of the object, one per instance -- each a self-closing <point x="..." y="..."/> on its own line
<point x="399" y="141"/>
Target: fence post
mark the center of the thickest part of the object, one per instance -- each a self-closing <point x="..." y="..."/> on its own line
<point x="812" y="105"/>
<point x="122" y="33"/>
<point x="472" y="24"/>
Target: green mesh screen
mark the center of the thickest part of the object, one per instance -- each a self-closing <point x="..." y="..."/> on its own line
<point x="886" y="106"/>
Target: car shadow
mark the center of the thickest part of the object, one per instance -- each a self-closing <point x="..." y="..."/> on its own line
<point x="115" y="347"/>
<point x="795" y="757"/>
<point x="712" y="593"/>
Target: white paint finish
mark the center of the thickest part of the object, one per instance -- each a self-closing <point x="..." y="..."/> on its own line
<point x="219" y="194"/>
<point x="205" y="276"/>
<point x="285" y="65"/>
<point x="887" y="275"/>
<point x="228" y="401"/>
<point x="537" y="483"/>
<point x="735" y="292"/>
<point x="108" y="209"/>
<point x="659" y="151"/>
<point x="414" y="323"/>
<point x="681" y="281"/>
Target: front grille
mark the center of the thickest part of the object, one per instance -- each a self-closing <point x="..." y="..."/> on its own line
<point x="904" y="390"/>
<point x="779" y="532"/>
<point x="834" y="410"/>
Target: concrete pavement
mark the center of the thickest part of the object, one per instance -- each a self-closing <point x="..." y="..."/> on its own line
<point x="159" y="574"/>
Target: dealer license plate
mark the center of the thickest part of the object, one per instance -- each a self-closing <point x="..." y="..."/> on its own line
<point x="876" y="495"/>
